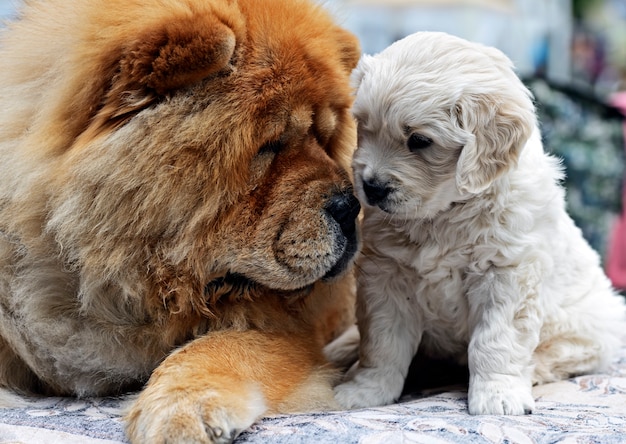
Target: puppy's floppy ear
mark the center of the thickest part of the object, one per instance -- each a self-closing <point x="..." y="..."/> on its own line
<point x="497" y="126"/>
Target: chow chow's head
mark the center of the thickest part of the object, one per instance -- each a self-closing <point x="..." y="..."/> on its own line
<point x="439" y="120"/>
<point x="191" y="140"/>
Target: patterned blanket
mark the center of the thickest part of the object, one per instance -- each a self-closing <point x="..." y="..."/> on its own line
<point x="585" y="409"/>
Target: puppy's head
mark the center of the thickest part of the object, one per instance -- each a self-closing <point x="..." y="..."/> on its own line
<point x="439" y="120"/>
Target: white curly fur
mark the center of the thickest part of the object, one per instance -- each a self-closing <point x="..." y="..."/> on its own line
<point x="470" y="253"/>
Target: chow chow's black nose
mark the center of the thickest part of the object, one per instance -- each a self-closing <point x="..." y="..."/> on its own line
<point x="375" y="191"/>
<point x="344" y="208"/>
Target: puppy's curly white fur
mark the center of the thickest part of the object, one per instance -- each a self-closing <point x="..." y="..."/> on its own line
<point x="468" y="250"/>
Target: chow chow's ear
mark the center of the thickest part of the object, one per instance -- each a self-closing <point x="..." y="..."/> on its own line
<point x="497" y="128"/>
<point x="159" y="60"/>
<point x="180" y="53"/>
<point x="350" y="49"/>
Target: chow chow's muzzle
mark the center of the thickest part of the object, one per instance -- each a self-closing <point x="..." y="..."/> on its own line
<point x="343" y="209"/>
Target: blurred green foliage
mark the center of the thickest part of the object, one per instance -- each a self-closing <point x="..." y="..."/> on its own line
<point x="581" y="7"/>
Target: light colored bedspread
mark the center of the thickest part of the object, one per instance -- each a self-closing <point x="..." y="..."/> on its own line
<point x="586" y="409"/>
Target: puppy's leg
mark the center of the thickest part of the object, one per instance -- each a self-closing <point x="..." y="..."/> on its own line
<point x="344" y="351"/>
<point x="11" y="400"/>
<point x="505" y="326"/>
<point x="390" y="336"/>
<point x="218" y="385"/>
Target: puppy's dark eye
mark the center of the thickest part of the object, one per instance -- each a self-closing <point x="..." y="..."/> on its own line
<point x="271" y="147"/>
<point x="418" y="142"/>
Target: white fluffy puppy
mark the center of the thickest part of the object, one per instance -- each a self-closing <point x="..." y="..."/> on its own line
<point x="468" y="250"/>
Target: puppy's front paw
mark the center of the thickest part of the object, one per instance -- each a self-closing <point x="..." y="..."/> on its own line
<point x="184" y="416"/>
<point x="510" y="396"/>
<point x="369" y="387"/>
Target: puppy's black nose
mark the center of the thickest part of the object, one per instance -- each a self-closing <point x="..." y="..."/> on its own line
<point x="344" y="208"/>
<point x="375" y="191"/>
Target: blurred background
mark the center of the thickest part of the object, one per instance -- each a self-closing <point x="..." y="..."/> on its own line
<point x="571" y="54"/>
<point x="567" y="40"/>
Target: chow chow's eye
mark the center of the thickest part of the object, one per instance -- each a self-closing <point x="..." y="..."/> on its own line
<point x="271" y="147"/>
<point x="418" y="142"/>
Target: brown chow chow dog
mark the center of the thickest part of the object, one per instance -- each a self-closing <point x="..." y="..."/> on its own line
<point x="174" y="173"/>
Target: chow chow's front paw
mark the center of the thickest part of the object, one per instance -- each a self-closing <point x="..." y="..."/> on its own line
<point x="186" y="416"/>
<point x="511" y="396"/>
